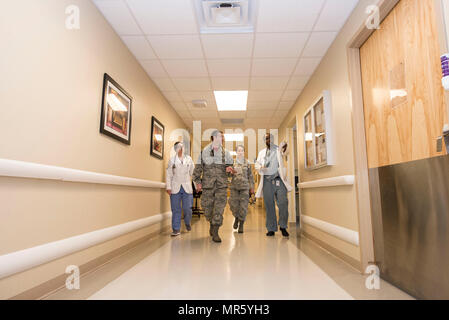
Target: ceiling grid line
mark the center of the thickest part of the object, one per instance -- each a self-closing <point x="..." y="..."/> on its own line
<point x="154" y="51"/>
<point x="273" y="62"/>
<point x="301" y="54"/>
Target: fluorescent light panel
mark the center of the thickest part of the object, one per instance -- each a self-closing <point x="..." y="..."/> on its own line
<point x="231" y="100"/>
<point x="234" y="137"/>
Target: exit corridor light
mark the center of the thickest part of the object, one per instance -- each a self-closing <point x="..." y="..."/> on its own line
<point x="231" y="100"/>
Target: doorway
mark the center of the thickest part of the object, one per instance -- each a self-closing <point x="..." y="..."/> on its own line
<point x="402" y="172"/>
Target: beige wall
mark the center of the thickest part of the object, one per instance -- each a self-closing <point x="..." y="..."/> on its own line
<point x="52" y="80"/>
<point x="336" y="205"/>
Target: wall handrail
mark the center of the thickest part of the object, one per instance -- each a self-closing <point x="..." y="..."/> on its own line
<point x="328" y="182"/>
<point x="341" y="233"/>
<point x="22" y="169"/>
<point x="18" y="261"/>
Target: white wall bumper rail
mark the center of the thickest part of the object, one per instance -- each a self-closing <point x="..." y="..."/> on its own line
<point x="329" y="182"/>
<point x="14" y="168"/>
<point x="22" y="260"/>
<point x="332" y="229"/>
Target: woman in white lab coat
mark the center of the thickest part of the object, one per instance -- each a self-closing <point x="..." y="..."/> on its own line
<point x="179" y="187"/>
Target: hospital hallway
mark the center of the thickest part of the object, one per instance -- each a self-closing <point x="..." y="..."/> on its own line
<point x="248" y="266"/>
<point x="116" y="115"/>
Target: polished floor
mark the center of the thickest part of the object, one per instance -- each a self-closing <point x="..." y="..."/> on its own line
<point x="243" y="266"/>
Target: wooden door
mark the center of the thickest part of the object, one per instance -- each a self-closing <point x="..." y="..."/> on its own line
<point x="402" y="92"/>
<point x="405" y="112"/>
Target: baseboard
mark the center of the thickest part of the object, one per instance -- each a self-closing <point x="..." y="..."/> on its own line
<point x="351" y="261"/>
<point x="58" y="282"/>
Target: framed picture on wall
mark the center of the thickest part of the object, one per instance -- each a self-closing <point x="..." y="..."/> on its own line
<point x="115" y="111"/>
<point x="318" y="147"/>
<point x="157" y="138"/>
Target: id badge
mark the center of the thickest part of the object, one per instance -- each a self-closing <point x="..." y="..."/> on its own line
<point x="278" y="183"/>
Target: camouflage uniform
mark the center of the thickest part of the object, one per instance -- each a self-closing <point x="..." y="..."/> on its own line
<point x="241" y="183"/>
<point x="210" y="171"/>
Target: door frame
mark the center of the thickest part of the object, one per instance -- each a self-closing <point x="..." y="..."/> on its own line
<point x="358" y="123"/>
<point x="291" y="158"/>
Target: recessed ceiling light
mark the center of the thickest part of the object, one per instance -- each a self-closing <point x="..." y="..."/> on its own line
<point x="231" y="100"/>
<point x="234" y="137"/>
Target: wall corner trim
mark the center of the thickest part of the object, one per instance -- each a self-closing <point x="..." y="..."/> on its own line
<point x="21" y="169"/>
<point x="328" y="182"/>
<point x="342" y="233"/>
<point x="18" y="261"/>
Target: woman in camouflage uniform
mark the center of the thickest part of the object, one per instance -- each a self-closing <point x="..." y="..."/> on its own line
<point x="242" y="185"/>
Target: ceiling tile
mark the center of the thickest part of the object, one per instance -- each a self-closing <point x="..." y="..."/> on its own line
<point x="164" y="17"/>
<point x="188" y="96"/>
<point x="177" y="46"/>
<point x="211" y="106"/>
<point x="179" y="106"/>
<point x="192" y="84"/>
<point x="276" y="122"/>
<point x="318" y="44"/>
<point x="164" y="84"/>
<point x="290" y="95"/>
<point x="335" y="14"/>
<point x="232" y="114"/>
<point x="264" y="95"/>
<point x="282" y="113"/>
<point x="262" y="106"/>
<point x="139" y="46"/>
<point x="172" y="96"/>
<point x="230" y="83"/>
<point x="119" y="17"/>
<point x="202" y="114"/>
<point x="185" y="68"/>
<point x="273" y="67"/>
<point x="257" y="114"/>
<point x="298" y="83"/>
<point x="184" y="114"/>
<point x="288" y="15"/>
<point x="154" y="68"/>
<point x="268" y="83"/>
<point x="217" y="46"/>
<point x="229" y="67"/>
<point x="307" y="66"/>
<point x="279" y="45"/>
<point x="286" y="105"/>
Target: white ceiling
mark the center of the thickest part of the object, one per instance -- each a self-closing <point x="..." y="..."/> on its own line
<point x="274" y="63"/>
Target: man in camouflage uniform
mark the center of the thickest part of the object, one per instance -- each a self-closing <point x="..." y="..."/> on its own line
<point x="211" y="177"/>
<point x="242" y="185"/>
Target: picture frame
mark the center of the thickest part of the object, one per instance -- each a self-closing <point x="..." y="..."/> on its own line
<point x="318" y="137"/>
<point x="157" y="138"/>
<point x="116" y="111"/>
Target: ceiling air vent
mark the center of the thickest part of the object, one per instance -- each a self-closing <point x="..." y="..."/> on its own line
<point x="226" y="16"/>
<point x="231" y="121"/>
<point x="199" y="104"/>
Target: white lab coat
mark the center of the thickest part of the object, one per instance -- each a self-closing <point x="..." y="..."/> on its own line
<point x="181" y="175"/>
<point x="260" y="162"/>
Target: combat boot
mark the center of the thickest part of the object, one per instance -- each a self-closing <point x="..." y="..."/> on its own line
<point x="241" y="226"/>
<point x="236" y="223"/>
<point x="215" y="236"/>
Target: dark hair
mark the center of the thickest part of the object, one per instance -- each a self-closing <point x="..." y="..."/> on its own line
<point x="176" y="143"/>
<point x="214" y="134"/>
